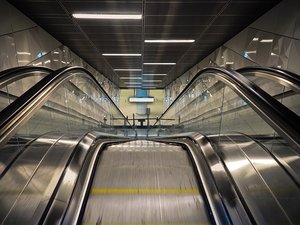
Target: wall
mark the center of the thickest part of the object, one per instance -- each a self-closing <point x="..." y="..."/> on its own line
<point x="156" y="108"/>
<point x="272" y="40"/>
<point x="22" y="42"/>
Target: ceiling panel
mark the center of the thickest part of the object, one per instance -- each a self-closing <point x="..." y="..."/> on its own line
<point x="209" y="22"/>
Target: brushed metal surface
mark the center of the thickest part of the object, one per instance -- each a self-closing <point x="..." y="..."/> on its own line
<point x="268" y="190"/>
<point x="27" y="186"/>
<point x="145" y="182"/>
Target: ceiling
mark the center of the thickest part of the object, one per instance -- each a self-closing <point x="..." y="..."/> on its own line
<point x="209" y="22"/>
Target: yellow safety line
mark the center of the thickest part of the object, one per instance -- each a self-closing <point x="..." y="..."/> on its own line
<point x="144" y="191"/>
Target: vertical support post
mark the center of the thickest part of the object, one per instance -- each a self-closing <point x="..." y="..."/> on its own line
<point x="133" y="119"/>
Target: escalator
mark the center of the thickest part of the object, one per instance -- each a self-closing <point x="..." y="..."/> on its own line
<point x="77" y="164"/>
<point x="145" y="182"/>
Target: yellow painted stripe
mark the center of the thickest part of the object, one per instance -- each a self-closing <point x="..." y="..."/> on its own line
<point x="144" y="191"/>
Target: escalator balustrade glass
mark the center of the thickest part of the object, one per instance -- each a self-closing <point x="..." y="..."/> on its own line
<point x="275" y="83"/>
<point x="75" y="106"/>
<point x="14" y="82"/>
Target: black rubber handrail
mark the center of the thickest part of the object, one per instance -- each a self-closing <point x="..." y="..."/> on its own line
<point x="291" y="79"/>
<point x="22" y="108"/>
<point x="272" y="111"/>
<point x="10" y="75"/>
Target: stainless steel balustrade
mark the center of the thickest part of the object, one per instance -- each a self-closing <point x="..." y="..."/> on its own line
<point x="40" y="132"/>
<point x="243" y="168"/>
<point x="245" y="141"/>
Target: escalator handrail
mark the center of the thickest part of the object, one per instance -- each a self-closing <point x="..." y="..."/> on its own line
<point x="215" y="205"/>
<point x="290" y="78"/>
<point x="78" y="200"/>
<point x="10" y="75"/>
<point x="272" y="111"/>
<point x="24" y="106"/>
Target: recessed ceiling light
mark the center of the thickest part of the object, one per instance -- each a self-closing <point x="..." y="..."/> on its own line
<point x="150" y="81"/>
<point x="132" y="83"/>
<point x="169" y="41"/>
<point x="251" y="52"/>
<point x="159" y="63"/>
<point x="266" y="40"/>
<point x="155" y="74"/>
<point x="106" y="16"/>
<point x="23" y="53"/>
<point x="127" y="69"/>
<point x="117" y="54"/>
<point x="130" y="78"/>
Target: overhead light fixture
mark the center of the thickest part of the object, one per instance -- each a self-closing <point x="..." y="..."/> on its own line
<point x="266" y="40"/>
<point x="127" y="69"/>
<point x="107" y="16"/>
<point x="151" y="81"/>
<point x="130" y="78"/>
<point x="155" y="74"/>
<point x="255" y="39"/>
<point x="117" y="54"/>
<point x="251" y="52"/>
<point x="160" y="64"/>
<point x="23" y="53"/>
<point x="132" y="83"/>
<point x="229" y="63"/>
<point x="169" y="41"/>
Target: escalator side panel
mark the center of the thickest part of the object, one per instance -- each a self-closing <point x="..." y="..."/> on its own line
<point x="27" y="186"/>
<point x="270" y="194"/>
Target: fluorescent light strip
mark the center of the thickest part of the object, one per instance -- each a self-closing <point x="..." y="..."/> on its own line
<point x="149" y="85"/>
<point x="127" y="69"/>
<point x="117" y="54"/>
<point x="169" y="41"/>
<point x="251" y="52"/>
<point x="155" y="74"/>
<point x="132" y="82"/>
<point x="23" y="53"/>
<point x="159" y="63"/>
<point x="152" y="81"/>
<point x="106" y="16"/>
<point x="229" y="63"/>
<point x="130" y="78"/>
<point x="266" y="40"/>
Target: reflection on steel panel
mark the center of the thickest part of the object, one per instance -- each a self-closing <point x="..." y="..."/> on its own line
<point x="28" y="185"/>
<point x="269" y="192"/>
<point x="145" y="182"/>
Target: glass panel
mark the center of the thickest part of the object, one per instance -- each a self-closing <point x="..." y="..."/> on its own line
<point x="212" y="107"/>
<point x="10" y="92"/>
<point x="201" y="107"/>
<point x="279" y="89"/>
<point x="76" y="107"/>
